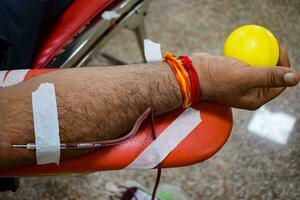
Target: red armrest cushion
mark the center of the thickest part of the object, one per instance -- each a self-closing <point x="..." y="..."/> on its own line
<point x="66" y="27"/>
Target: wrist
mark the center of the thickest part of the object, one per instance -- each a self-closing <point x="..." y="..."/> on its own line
<point x="201" y="68"/>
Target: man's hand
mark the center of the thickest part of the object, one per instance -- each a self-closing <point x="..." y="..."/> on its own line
<point x="232" y="82"/>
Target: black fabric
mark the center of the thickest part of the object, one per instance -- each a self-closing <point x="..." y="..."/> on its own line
<point x="9" y="184"/>
<point x="20" y="25"/>
<point x="4" y="44"/>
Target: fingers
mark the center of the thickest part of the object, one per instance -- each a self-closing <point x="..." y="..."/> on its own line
<point x="283" y="57"/>
<point x="270" y="77"/>
<point x="267" y="96"/>
<point x="258" y="97"/>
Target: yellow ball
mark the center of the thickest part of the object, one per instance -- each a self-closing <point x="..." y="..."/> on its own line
<point x="253" y="44"/>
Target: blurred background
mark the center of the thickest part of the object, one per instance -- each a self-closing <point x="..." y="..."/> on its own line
<point x="250" y="165"/>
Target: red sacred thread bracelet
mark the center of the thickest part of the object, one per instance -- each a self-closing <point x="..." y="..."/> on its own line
<point x="195" y="84"/>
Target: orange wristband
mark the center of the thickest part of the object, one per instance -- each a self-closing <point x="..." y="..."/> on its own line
<point x="181" y="76"/>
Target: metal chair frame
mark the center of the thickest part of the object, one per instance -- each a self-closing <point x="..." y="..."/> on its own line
<point x="98" y="32"/>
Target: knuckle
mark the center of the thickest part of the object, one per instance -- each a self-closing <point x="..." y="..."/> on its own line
<point x="271" y="78"/>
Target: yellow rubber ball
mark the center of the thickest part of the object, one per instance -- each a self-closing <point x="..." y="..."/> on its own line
<point x="254" y="45"/>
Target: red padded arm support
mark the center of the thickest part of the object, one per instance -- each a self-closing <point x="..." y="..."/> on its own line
<point x="203" y="142"/>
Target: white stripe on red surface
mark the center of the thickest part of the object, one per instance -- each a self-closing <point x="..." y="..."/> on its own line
<point x="2" y="76"/>
<point x="167" y="141"/>
<point x="14" y="77"/>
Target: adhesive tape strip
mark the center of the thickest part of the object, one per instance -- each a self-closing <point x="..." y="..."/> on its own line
<point x="108" y="15"/>
<point x="14" y="77"/>
<point x="152" y="51"/>
<point x="46" y="127"/>
<point x="164" y="144"/>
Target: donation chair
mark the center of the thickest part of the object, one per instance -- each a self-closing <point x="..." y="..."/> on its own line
<point x="70" y="42"/>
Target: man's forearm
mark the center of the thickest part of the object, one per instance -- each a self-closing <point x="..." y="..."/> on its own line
<point x="101" y="103"/>
<point x="93" y="104"/>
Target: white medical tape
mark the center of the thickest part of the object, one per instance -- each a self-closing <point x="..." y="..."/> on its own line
<point x="167" y="141"/>
<point x="46" y="127"/>
<point x="152" y="51"/>
<point x="2" y="75"/>
<point x="14" y="77"/>
<point x="108" y="15"/>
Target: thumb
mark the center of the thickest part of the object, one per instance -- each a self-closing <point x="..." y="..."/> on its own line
<point x="271" y="76"/>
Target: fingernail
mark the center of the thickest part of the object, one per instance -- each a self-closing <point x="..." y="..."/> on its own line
<point x="289" y="78"/>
